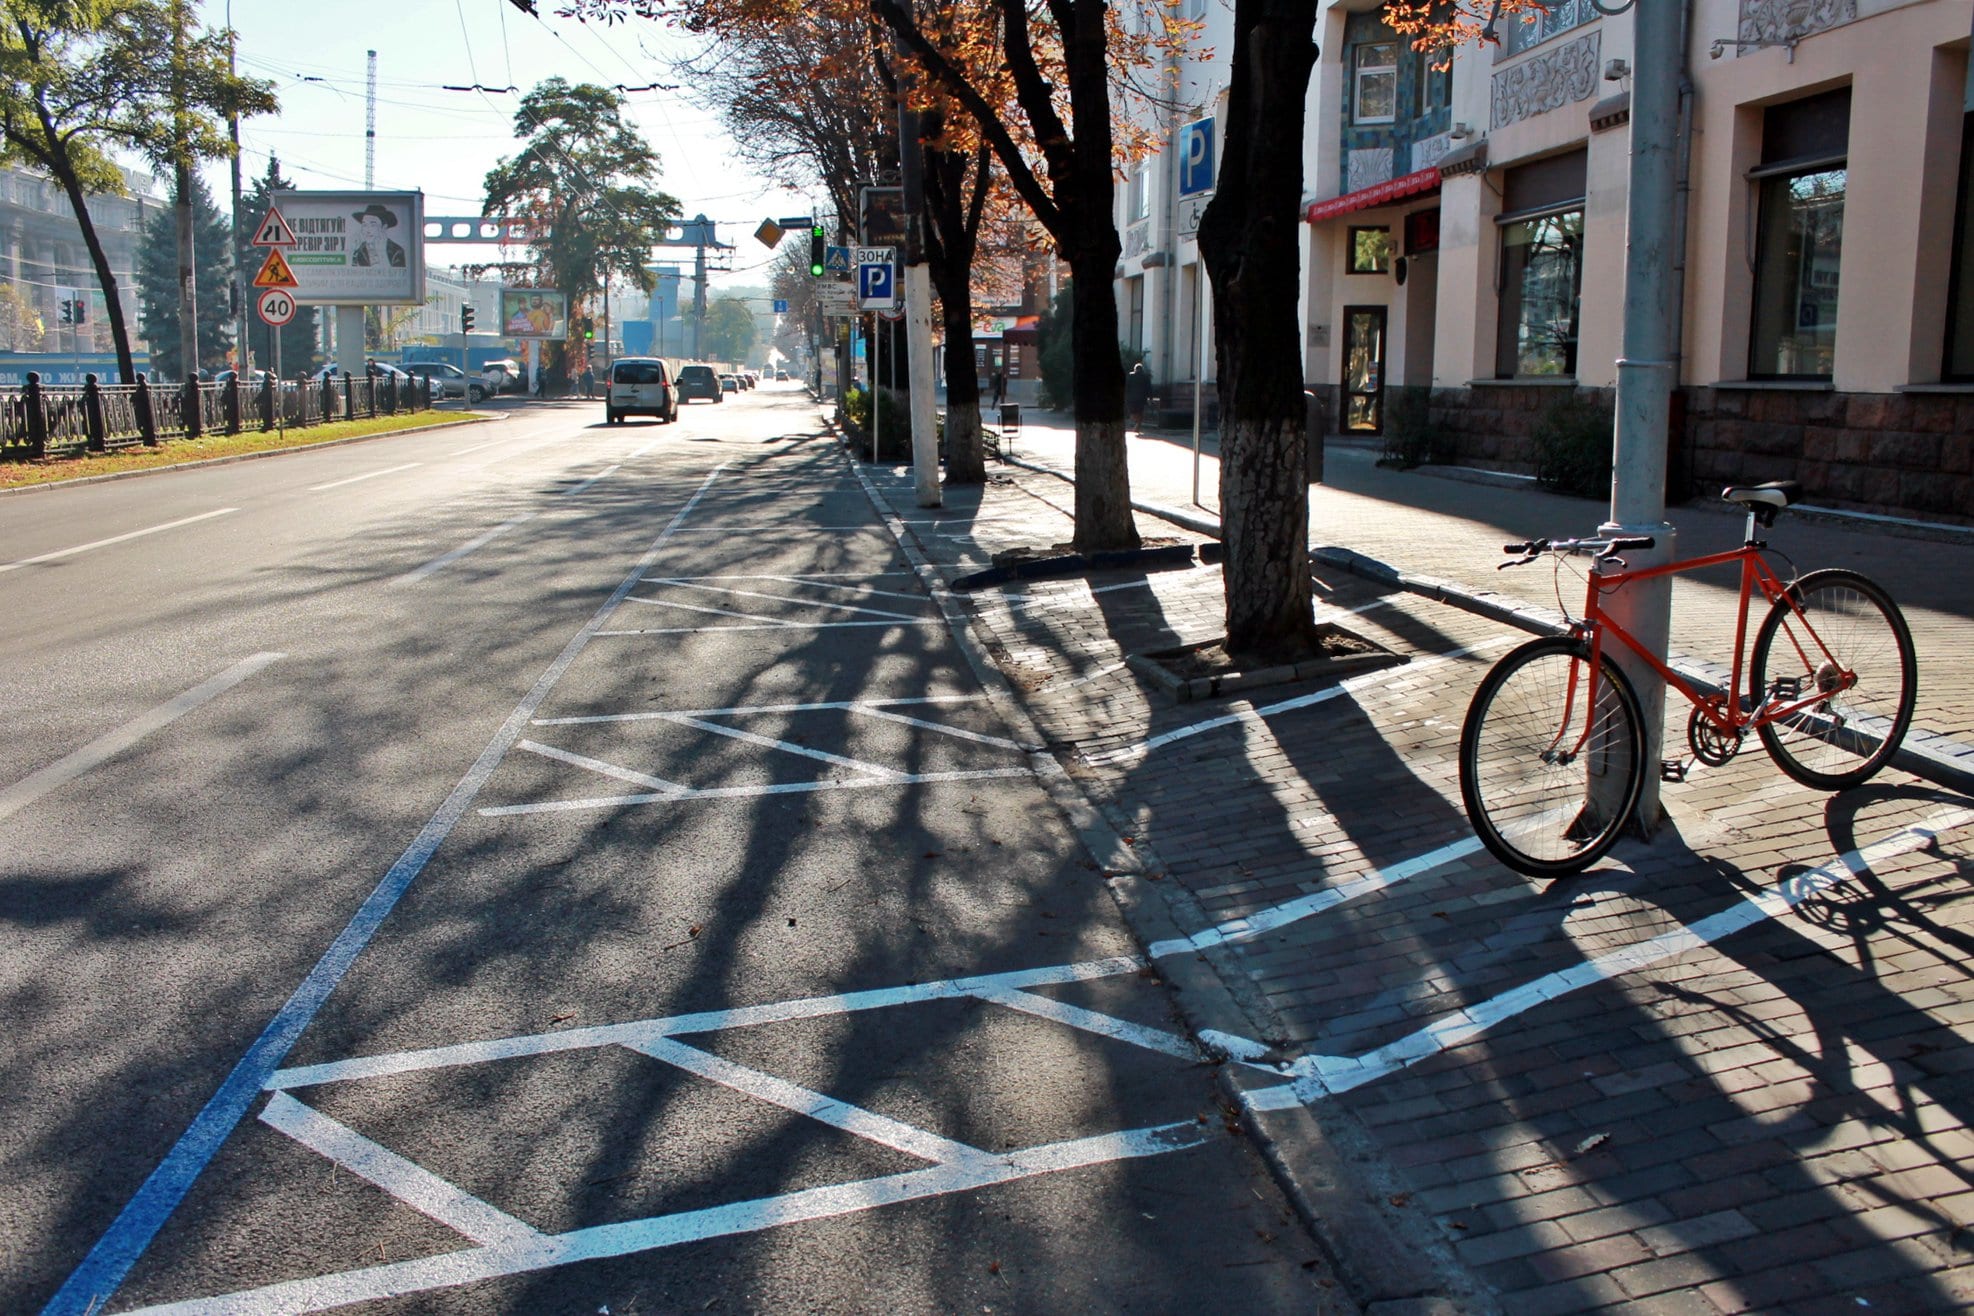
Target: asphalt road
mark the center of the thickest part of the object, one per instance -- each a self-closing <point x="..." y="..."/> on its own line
<point x="544" y="866"/>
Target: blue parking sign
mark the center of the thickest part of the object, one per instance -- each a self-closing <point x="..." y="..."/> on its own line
<point x="877" y="287"/>
<point x="1196" y="157"/>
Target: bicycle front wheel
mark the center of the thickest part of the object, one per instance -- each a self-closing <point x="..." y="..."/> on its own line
<point x="1548" y="780"/>
<point x="1832" y="626"/>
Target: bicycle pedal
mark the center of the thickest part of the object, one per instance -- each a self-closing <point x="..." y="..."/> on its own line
<point x="1785" y="688"/>
<point x="1672" y="770"/>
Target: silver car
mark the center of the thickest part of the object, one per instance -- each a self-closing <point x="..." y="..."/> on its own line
<point x="448" y="381"/>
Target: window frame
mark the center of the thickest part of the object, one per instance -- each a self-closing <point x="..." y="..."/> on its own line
<point x="1351" y="261"/>
<point x="1359" y="71"/>
<point x="1509" y="335"/>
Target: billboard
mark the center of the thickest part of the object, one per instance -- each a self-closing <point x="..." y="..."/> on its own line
<point x="533" y="313"/>
<point x="356" y="248"/>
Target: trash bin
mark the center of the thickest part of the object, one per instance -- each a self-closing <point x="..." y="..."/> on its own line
<point x="1010" y="427"/>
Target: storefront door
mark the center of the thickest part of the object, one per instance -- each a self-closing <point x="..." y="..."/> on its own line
<point x="1363" y="369"/>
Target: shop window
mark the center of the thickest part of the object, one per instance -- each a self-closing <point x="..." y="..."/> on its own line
<point x="1541" y="268"/>
<point x="1375" y="92"/>
<point x="1370" y="251"/>
<point x="1799" y="237"/>
<point x="1960" y="291"/>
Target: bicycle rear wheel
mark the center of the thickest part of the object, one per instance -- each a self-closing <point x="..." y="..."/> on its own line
<point x="1545" y="794"/>
<point x="1846" y="624"/>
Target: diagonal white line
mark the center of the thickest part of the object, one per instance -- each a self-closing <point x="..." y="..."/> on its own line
<point x="766" y="625"/>
<point x="961" y="732"/>
<point x="401" y="1278"/>
<point x="409" y="1182"/>
<point x="778" y="598"/>
<point x="114" y="539"/>
<point x="789" y="747"/>
<point x="671" y="788"/>
<point x="705" y="1021"/>
<point x="1091" y="1021"/>
<point x="835" y="705"/>
<point x="367" y="475"/>
<point x="603" y="474"/>
<point x="107" y="746"/>
<point x="718" y="612"/>
<point x="750" y="792"/>
<point x="919" y="597"/>
<point x="870" y="1125"/>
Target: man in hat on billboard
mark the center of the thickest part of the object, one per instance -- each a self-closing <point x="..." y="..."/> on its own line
<point x="372" y="247"/>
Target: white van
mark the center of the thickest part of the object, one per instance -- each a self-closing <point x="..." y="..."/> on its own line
<point x="640" y="386"/>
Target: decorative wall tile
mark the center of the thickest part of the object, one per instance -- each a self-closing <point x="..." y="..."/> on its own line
<point x="1547" y="81"/>
<point x="1368" y="167"/>
<point x="1785" y="20"/>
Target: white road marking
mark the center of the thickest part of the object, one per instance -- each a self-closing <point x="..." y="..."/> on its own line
<point x="769" y="625"/>
<point x="107" y="746"/>
<point x="752" y="792"/>
<point x="780" y="598"/>
<point x="603" y="474"/>
<point x="873" y="770"/>
<point x="1317" y="1076"/>
<point x="615" y="1240"/>
<point x="835" y="705"/>
<point x="441" y="563"/>
<point x="813" y="583"/>
<point x="999" y="742"/>
<point x="114" y="539"/>
<point x="644" y="451"/>
<point x="409" y="1182"/>
<point x="671" y="789"/>
<point x="866" y="1124"/>
<point x="1091" y="1021"/>
<point x="764" y="622"/>
<point x="368" y="475"/>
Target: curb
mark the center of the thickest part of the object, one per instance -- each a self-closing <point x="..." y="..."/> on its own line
<point x="1172" y="557"/>
<point x="1393" y="1263"/>
<point x="245" y="456"/>
<point x="1918" y="757"/>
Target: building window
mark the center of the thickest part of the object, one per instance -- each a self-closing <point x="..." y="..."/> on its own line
<point x="1541" y="268"/>
<point x="1134" y="314"/>
<point x="1370" y="251"/>
<point x="1799" y="237"/>
<point x="1375" y="98"/>
<point x="1432" y="75"/>
<point x="1960" y="295"/>
<point x="1534" y="26"/>
<point x="1140" y="193"/>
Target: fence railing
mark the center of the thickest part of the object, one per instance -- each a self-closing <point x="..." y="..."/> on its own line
<point x="38" y="420"/>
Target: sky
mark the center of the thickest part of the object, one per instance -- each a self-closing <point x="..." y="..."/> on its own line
<point x="444" y="142"/>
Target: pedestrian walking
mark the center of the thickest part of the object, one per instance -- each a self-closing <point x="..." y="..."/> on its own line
<point x="1137" y="393"/>
<point x="589" y="381"/>
<point x="541" y="382"/>
<point x="1000" y="387"/>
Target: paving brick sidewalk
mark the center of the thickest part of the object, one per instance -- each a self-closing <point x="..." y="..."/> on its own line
<point x="1704" y="1077"/>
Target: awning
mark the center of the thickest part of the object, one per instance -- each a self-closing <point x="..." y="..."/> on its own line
<point x="1416" y="183"/>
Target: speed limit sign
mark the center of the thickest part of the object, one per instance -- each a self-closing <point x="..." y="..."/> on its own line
<point x="277" y="306"/>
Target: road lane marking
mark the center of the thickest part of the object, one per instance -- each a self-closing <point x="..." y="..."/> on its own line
<point x="114" y="539"/>
<point x="368" y="475"/>
<point x="768" y="625"/>
<point x="95" y="1280"/>
<point x="603" y="474"/>
<point x="472" y="545"/>
<point x="813" y="582"/>
<point x="107" y="746"/>
<point x="874" y="770"/>
<point x="409" y="1182"/>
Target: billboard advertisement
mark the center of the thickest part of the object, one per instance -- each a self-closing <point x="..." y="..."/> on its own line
<point x="533" y="313"/>
<point x="356" y="248"/>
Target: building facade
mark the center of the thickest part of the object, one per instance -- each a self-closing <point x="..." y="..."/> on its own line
<point x="44" y="260"/>
<point x="1466" y="239"/>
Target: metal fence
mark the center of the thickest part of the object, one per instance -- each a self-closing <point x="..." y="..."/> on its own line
<point x="39" y="420"/>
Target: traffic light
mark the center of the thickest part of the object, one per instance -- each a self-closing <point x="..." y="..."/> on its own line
<point x="68" y="311"/>
<point x="589" y="329"/>
<point x="82" y="310"/>
<point x="466" y="319"/>
<point x="817" y="240"/>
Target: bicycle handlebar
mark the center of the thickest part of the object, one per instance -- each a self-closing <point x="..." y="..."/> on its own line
<point x="1601" y="548"/>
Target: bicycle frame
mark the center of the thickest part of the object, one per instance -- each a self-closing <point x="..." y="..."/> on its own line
<point x="1724" y="710"/>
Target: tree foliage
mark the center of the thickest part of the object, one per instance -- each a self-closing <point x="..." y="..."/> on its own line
<point x="157" y="285"/>
<point x="729" y="332"/>
<point x="585" y="181"/>
<point x="82" y="78"/>
<point x="21" y="329"/>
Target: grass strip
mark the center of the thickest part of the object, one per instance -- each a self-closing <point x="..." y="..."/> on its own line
<point x="178" y="452"/>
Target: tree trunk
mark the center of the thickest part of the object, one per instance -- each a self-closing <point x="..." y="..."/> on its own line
<point x="100" y="261"/>
<point x="1250" y="240"/>
<point x="966" y="463"/>
<point x="1103" y="481"/>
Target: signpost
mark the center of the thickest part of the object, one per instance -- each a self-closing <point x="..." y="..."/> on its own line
<point x="877" y="286"/>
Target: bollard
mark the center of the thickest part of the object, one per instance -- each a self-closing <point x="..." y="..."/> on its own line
<point x="37" y="419"/>
<point x="191" y="408"/>
<point x="147" y="418"/>
<point x="233" y="404"/>
<point x="92" y="414"/>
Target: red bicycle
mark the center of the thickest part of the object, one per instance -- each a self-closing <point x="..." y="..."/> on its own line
<point x="1552" y="752"/>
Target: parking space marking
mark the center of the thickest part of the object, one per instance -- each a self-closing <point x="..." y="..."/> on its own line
<point x="603" y="474"/>
<point x="1091" y="1021"/>
<point x="832" y="705"/>
<point x="779" y="598"/>
<point x="771" y="626"/>
<point x="96" y="1279"/>
<point x="671" y="788"/>
<point x="875" y="770"/>
<point x="751" y="792"/>
<point x="815" y="582"/>
<point x="412" y="1184"/>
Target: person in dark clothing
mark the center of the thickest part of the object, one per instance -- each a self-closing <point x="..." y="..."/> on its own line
<point x="1000" y="387"/>
<point x="1137" y="394"/>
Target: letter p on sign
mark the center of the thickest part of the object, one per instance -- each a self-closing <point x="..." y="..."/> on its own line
<point x="1196" y="157"/>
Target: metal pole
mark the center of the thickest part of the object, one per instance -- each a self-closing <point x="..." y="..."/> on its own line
<point x="188" y="282"/>
<point x="1647" y="372"/>
<point x="1199" y="370"/>
<point x="918" y="305"/>
<point x="240" y="326"/>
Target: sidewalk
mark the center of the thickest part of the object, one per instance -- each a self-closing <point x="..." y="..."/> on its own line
<point x="1703" y="1077"/>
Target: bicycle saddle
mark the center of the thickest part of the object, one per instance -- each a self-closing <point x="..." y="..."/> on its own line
<point x="1776" y="493"/>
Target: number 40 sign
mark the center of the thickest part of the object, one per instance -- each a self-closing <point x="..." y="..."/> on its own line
<point x="277" y="306"/>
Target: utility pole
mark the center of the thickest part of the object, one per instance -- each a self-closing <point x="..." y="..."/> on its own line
<point x="1648" y="372"/>
<point x="188" y="280"/>
<point x="918" y="305"/>
<point x="242" y="353"/>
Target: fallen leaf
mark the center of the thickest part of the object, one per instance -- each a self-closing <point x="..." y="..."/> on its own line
<point x="561" y="1017"/>
<point x="692" y="931"/>
<point x="1592" y="1143"/>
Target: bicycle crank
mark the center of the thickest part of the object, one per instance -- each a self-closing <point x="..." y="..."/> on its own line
<point x="1710" y="744"/>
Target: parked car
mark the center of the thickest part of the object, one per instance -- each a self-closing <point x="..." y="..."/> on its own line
<point x="448" y="381"/>
<point x="728" y="384"/>
<point x="781" y="376"/>
<point x="504" y="376"/>
<point x="697" y="382"/>
<point x="640" y="386"/>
